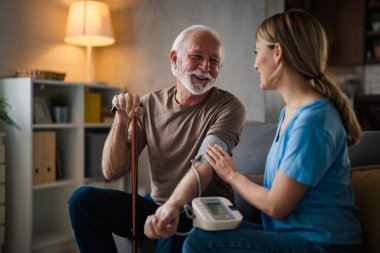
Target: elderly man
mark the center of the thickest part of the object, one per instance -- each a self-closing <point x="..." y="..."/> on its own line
<point x="176" y="125"/>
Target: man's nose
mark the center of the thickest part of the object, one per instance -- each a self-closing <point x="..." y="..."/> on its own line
<point x="205" y="65"/>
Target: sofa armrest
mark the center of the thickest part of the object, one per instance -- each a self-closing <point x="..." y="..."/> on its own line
<point x="367" y="151"/>
<point x="366" y="186"/>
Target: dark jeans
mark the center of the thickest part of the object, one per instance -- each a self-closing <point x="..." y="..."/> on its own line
<point x="96" y="213"/>
<point x="251" y="238"/>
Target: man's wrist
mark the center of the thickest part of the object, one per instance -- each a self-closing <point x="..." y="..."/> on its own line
<point x="174" y="203"/>
<point x="122" y="122"/>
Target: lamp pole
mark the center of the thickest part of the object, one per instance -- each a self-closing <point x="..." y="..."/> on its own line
<point x="89" y="73"/>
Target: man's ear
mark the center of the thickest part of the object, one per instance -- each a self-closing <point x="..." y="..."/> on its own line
<point x="173" y="58"/>
<point x="278" y="54"/>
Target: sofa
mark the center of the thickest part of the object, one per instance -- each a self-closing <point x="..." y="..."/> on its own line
<point x="250" y="156"/>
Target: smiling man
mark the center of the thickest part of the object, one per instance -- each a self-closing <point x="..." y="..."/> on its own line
<point x="176" y="125"/>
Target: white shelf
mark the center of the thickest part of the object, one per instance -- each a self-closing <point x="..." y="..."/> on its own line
<point x="38" y="214"/>
<point x="51" y="239"/>
<point x="55" y="126"/>
<point x="59" y="183"/>
<point x="98" y="125"/>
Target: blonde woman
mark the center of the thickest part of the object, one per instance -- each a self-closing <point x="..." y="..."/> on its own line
<point x="305" y="195"/>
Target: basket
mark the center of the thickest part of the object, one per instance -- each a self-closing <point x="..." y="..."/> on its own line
<point x="41" y="74"/>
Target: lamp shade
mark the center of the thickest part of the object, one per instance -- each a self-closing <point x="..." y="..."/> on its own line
<point x="89" y="24"/>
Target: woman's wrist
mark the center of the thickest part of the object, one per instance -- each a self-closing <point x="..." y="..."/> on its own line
<point x="233" y="178"/>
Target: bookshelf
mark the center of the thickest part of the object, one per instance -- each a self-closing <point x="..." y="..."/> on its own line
<point x="37" y="217"/>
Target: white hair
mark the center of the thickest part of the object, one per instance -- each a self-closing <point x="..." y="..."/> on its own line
<point x="181" y="38"/>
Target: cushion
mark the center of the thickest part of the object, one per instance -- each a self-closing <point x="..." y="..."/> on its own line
<point x="367" y="151"/>
<point x="255" y="141"/>
<point x="250" y="157"/>
<point x="366" y="186"/>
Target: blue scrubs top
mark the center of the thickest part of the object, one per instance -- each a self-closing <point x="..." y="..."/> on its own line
<point x="312" y="149"/>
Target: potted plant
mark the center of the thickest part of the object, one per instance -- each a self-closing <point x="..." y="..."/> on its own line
<point x="4" y="113"/>
<point x="60" y="103"/>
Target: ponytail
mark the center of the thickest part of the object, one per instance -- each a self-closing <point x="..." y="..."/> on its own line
<point x="329" y="89"/>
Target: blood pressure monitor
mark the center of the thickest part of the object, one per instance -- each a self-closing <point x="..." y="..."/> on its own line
<point x="215" y="213"/>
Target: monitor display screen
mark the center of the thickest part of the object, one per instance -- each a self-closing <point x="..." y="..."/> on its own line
<point x="217" y="209"/>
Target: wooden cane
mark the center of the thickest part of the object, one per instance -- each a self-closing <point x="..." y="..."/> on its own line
<point x="134" y="166"/>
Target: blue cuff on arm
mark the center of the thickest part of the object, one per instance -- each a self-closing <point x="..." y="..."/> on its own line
<point x="210" y="139"/>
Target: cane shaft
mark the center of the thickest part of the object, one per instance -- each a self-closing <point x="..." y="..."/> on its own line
<point x="134" y="167"/>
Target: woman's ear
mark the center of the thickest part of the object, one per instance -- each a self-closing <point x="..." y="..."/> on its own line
<point x="278" y="53"/>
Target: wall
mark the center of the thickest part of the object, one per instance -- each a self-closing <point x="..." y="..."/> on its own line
<point x="32" y="32"/>
<point x="31" y="37"/>
<point x="147" y="29"/>
<point x="140" y="58"/>
<point x="273" y="101"/>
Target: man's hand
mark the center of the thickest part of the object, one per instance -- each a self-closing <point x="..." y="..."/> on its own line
<point x="163" y="223"/>
<point x="126" y="104"/>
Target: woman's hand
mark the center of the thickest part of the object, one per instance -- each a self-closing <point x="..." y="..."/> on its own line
<point x="222" y="163"/>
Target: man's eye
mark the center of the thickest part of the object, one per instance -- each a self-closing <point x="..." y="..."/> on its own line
<point x="215" y="61"/>
<point x="195" y="56"/>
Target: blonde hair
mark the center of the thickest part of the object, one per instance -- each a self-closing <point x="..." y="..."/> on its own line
<point x="305" y="49"/>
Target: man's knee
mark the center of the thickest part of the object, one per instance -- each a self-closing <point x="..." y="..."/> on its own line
<point x="81" y="195"/>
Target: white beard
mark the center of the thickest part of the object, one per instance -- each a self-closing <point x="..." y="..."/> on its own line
<point x="196" y="88"/>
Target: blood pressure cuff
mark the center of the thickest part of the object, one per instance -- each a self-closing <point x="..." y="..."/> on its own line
<point x="209" y="140"/>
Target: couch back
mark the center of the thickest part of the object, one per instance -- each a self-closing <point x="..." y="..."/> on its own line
<point x="255" y="141"/>
<point x="257" y="137"/>
<point x="367" y="151"/>
<point x="250" y="157"/>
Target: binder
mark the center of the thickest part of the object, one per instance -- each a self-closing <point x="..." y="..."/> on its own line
<point x="2" y="153"/>
<point x="93" y="153"/>
<point x="92" y="107"/>
<point x="44" y="157"/>
<point x="2" y="215"/>
<point x="2" y="194"/>
<point x="37" y="157"/>
<point x="49" y="173"/>
<point x="2" y="174"/>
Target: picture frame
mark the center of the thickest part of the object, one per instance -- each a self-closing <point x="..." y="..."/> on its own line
<point x="41" y="113"/>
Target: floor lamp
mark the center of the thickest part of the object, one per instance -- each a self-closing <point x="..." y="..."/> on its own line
<point x="89" y="24"/>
